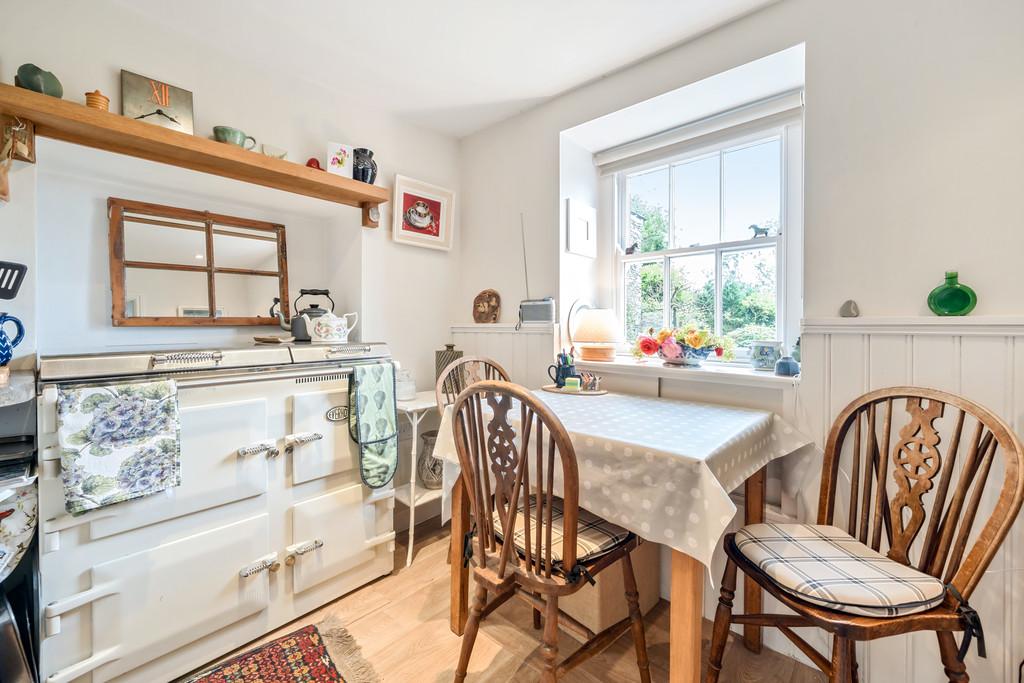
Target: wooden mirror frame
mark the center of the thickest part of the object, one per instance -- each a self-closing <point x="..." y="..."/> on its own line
<point x="116" y="209"/>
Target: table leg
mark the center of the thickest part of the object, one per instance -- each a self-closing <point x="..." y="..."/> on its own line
<point x="754" y="504"/>
<point x="686" y="617"/>
<point x="414" y="420"/>
<point x="460" y="574"/>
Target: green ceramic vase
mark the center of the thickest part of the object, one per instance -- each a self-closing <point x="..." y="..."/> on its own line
<point x="951" y="297"/>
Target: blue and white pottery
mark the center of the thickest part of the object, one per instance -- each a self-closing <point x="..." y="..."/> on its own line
<point x="787" y="367"/>
<point x="764" y="354"/>
<point x="691" y="357"/>
<point x="6" y="345"/>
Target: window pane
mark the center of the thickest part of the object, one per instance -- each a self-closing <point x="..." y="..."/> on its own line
<point x="643" y="290"/>
<point x="693" y="291"/>
<point x="753" y="189"/>
<point x="695" y="202"/>
<point x="648" y="210"/>
<point x="749" y="286"/>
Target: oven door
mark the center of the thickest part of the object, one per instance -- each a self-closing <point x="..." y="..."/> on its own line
<point x="224" y="459"/>
<point x="320" y="444"/>
<point x="147" y="604"/>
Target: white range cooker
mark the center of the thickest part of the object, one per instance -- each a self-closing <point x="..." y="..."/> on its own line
<point x="270" y="522"/>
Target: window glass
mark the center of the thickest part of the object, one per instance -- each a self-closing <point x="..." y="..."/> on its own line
<point x="749" y="287"/>
<point x="643" y="295"/>
<point x="692" y="299"/>
<point x="753" y="190"/>
<point x="695" y="202"/>
<point x="647" y="226"/>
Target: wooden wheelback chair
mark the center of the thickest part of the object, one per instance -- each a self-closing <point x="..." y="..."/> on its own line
<point x="920" y="496"/>
<point x="509" y="473"/>
<point x="463" y="372"/>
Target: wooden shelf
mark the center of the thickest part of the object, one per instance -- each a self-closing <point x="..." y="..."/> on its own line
<point x="71" y="122"/>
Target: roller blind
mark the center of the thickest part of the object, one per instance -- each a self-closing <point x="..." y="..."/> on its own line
<point x="704" y="131"/>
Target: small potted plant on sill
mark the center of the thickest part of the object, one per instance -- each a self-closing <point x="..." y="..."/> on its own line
<point x="687" y="346"/>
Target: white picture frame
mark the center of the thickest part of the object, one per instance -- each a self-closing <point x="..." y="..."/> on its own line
<point x="422" y="214"/>
<point x="580" y="228"/>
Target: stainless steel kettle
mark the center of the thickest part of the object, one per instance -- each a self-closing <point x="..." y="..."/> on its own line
<point x="301" y="323"/>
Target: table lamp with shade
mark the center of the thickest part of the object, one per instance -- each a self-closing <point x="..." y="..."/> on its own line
<point x="596" y="334"/>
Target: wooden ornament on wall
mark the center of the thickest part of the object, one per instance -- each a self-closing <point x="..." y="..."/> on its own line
<point x="487" y="307"/>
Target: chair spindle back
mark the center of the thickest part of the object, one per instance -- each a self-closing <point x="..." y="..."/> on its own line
<point x="902" y="479"/>
<point x="509" y="445"/>
<point x="462" y="372"/>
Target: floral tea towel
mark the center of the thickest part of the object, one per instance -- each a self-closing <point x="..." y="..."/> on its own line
<point x="17" y="525"/>
<point x="373" y="422"/>
<point x="118" y="442"/>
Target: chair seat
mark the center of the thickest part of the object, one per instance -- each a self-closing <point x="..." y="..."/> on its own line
<point x="595" y="536"/>
<point x="826" y="566"/>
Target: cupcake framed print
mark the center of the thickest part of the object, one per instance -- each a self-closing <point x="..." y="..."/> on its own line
<point x="422" y="214"/>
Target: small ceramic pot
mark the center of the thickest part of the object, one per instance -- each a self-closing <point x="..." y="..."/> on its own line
<point x="764" y="354"/>
<point x="97" y="100"/>
<point x="787" y="367"/>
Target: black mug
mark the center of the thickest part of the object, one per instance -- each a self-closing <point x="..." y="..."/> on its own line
<point x="561" y="373"/>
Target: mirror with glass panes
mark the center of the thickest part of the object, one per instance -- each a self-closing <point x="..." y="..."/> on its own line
<point x="174" y="266"/>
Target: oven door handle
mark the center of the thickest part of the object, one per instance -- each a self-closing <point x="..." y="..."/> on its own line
<point x="293" y="440"/>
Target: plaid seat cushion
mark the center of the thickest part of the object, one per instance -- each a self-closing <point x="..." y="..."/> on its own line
<point x="828" y="567"/>
<point x="594" y="537"/>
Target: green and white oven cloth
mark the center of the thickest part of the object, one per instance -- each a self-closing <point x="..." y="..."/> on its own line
<point x="373" y="422"/>
<point x="118" y="442"/>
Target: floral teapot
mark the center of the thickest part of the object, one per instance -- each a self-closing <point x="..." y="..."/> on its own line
<point x="332" y="329"/>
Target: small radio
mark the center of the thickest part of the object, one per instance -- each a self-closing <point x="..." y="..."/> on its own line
<point x="536" y="311"/>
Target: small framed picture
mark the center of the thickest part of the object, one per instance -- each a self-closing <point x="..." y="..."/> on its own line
<point x="581" y="224"/>
<point x="339" y="159"/>
<point x="422" y="214"/>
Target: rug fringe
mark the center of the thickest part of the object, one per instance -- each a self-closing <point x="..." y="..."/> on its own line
<point x="346" y="653"/>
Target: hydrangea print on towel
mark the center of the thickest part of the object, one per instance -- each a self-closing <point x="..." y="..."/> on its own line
<point x="118" y="442"/>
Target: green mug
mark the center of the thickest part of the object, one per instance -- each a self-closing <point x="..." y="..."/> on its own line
<point x="232" y="136"/>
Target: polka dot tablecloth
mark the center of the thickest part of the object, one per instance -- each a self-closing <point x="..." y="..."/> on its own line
<point x="661" y="468"/>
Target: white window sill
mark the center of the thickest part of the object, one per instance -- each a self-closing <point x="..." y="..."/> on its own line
<point x="720" y="373"/>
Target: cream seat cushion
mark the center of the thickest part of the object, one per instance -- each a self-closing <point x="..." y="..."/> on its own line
<point x="826" y="566"/>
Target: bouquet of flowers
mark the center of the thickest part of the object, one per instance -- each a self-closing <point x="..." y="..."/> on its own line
<point x="687" y="345"/>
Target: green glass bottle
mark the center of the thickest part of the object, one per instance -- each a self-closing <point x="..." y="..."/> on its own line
<point x="951" y="297"/>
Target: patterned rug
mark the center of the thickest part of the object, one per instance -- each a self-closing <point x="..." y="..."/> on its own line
<point x="325" y="653"/>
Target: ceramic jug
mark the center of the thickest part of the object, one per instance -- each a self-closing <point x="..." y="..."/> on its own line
<point x="6" y="345"/>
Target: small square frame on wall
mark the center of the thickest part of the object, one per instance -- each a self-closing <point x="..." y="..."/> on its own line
<point x="422" y="214"/>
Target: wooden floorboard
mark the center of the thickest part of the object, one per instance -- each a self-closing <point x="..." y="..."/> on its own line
<point x="401" y="623"/>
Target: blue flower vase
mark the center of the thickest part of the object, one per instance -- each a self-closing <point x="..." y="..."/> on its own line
<point x="6" y="345"/>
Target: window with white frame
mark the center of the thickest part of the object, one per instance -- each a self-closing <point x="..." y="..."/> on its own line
<point x="709" y="237"/>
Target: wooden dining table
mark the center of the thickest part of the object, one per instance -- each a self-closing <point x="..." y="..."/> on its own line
<point x="695" y="454"/>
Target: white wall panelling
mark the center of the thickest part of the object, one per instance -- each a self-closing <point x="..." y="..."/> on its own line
<point x="525" y="354"/>
<point x="980" y="358"/>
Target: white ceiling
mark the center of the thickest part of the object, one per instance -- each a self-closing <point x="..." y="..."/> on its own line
<point x="455" y="66"/>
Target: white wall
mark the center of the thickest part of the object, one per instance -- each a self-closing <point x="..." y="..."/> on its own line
<point x="911" y="168"/>
<point x="911" y="112"/>
<point x="406" y="293"/>
<point x="578" y="276"/>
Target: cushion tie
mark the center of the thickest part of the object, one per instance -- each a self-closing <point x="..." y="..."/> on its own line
<point x="579" y="571"/>
<point x="972" y="625"/>
<point x="467" y="546"/>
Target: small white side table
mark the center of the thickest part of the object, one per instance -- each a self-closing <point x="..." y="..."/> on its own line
<point x="415" y="410"/>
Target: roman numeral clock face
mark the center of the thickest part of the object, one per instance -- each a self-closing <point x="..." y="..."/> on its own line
<point x="147" y="99"/>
